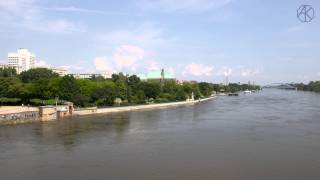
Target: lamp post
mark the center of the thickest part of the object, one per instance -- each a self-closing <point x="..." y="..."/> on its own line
<point x="57" y="99"/>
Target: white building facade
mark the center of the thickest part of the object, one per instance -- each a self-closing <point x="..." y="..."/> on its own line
<point x="60" y="71"/>
<point x="90" y="75"/>
<point x="22" y="60"/>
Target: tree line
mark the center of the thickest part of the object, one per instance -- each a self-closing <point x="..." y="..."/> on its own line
<point x="41" y="86"/>
<point x="311" y="86"/>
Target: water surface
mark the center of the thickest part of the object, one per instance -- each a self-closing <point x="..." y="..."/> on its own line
<point x="273" y="134"/>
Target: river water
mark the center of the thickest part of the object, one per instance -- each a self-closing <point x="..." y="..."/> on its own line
<point x="274" y="134"/>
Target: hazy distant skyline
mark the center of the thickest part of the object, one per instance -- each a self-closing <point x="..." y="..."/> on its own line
<point x="249" y="40"/>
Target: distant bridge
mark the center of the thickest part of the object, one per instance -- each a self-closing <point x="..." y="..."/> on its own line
<point x="280" y="86"/>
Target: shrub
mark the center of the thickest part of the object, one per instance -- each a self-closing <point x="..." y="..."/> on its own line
<point x="161" y="100"/>
<point x="10" y="101"/>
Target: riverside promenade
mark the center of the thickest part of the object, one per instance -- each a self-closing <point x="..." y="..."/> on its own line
<point x="18" y="115"/>
<point x="90" y="111"/>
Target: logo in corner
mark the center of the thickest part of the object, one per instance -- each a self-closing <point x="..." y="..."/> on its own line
<point x="305" y="13"/>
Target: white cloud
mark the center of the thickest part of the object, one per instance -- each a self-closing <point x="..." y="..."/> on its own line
<point x="240" y="71"/>
<point x="224" y="71"/>
<point x="171" y="70"/>
<point x="247" y="72"/>
<point x="126" y="57"/>
<point x="153" y="65"/>
<point x="56" y="26"/>
<point x="82" y="10"/>
<point x="198" y="70"/>
<point x="80" y="66"/>
<point x="102" y="64"/>
<point x="182" y="5"/>
<point x="27" y="14"/>
<point x="303" y="77"/>
<point x="145" y="35"/>
<point x="42" y="64"/>
<point x="296" y="28"/>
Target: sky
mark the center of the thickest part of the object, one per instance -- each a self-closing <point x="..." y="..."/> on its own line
<point x="206" y="40"/>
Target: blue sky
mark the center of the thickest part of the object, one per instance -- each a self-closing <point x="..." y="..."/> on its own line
<point x="248" y="40"/>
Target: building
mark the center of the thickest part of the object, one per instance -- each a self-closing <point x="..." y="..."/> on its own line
<point x="157" y="76"/>
<point x="186" y="81"/>
<point x="2" y="66"/>
<point x="91" y="75"/>
<point x="22" y="60"/>
<point x="60" y="71"/>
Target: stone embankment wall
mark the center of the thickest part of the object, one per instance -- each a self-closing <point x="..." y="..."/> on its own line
<point x="21" y="117"/>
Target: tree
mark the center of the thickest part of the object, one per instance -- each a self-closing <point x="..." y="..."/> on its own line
<point x="20" y="90"/>
<point x="81" y="100"/>
<point x="37" y="74"/>
<point x="121" y="90"/>
<point x="140" y="97"/>
<point x="40" y="89"/>
<point x="5" y="84"/>
<point x="187" y="88"/>
<point x="8" y="72"/>
<point x="134" y="80"/>
<point x="133" y="84"/>
<point x="53" y="87"/>
<point x="234" y="87"/>
<point x="315" y="86"/>
<point x="86" y="86"/>
<point x="196" y="91"/>
<point x="170" y="87"/>
<point x="181" y="95"/>
<point x="117" y="77"/>
<point x="104" y="95"/>
<point x="151" y="90"/>
<point x="68" y="88"/>
<point x="205" y="88"/>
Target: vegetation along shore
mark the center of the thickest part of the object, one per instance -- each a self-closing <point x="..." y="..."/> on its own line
<point x="41" y="86"/>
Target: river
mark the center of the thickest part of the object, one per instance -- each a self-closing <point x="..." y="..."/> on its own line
<point x="273" y="134"/>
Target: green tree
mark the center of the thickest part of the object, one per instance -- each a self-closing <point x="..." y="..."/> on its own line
<point x="8" y="72"/>
<point x="151" y="90"/>
<point x="53" y="88"/>
<point x="118" y="77"/>
<point x="170" y="87"/>
<point x="87" y="85"/>
<point x="196" y="91"/>
<point x="81" y="100"/>
<point x="121" y="90"/>
<point x="140" y="97"/>
<point x="104" y="95"/>
<point x="20" y="90"/>
<point x="37" y="74"/>
<point x="68" y="88"/>
<point x="205" y="88"/>
<point x="5" y="84"/>
<point x="181" y="95"/>
<point x="187" y="88"/>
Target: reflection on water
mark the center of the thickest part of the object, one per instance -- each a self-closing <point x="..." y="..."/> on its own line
<point x="69" y="131"/>
<point x="270" y="135"/>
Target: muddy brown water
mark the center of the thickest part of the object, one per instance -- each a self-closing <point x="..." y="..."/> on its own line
<point x="273" y="134"/>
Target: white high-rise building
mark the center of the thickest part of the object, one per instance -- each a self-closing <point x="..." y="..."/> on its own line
<point x="22" y="60"/>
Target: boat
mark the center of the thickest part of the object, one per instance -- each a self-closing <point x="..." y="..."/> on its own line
<point x="247" y="92"/>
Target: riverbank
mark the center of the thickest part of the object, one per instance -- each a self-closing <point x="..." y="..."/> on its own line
<point x="11" y="115"/>
<point x="91" y="111"/>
